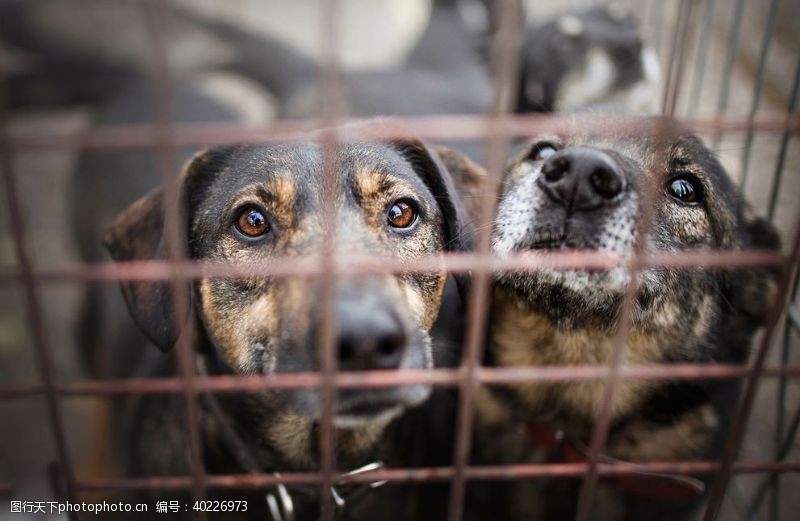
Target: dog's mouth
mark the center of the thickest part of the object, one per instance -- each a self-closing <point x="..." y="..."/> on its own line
<point x="355" y="409"/>
<point x="547" y="241"/>
<point x="367" y="408"/>
<point x="548" y="238"/>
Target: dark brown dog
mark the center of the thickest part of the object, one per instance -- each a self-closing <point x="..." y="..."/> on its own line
<point x="251" y="204"/>
<point x="586" y="193"/>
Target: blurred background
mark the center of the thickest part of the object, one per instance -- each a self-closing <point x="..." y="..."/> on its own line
<point x="64" y="62"/>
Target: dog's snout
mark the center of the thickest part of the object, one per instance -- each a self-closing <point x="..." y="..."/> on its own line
<point x="582" y="179"/>
<point x="369" y="338"/>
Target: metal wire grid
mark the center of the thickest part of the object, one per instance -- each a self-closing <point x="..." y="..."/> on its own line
<point x="497" y="127"/>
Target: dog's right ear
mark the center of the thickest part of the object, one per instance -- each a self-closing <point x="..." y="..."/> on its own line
<point x="138" y="235"/>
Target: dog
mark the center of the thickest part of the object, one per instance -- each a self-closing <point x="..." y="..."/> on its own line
<point x="589" y="59"/>
<point x="579" y="192"/>
<point x="251" y="203"/>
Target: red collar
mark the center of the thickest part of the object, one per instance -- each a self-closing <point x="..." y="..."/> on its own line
<point x="643" y="484"/>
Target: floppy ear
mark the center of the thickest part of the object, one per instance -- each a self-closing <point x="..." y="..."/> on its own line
<point x="448" y="186"/>
<point x="439" y="180"/>
<point x="752" y="291"/>
<point x="469" y="178"/>
<point x="138" y="235"/>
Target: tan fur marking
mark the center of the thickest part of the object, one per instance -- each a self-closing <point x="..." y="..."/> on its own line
<point x="686" y="439"/>
<point x="355" y="442"/>
<point x="225" y="333"/>
<point x="290" y="434"/>
<point x="492" y="412"/>
<point x="523" y="337"/>
<point x="424" y="306"/>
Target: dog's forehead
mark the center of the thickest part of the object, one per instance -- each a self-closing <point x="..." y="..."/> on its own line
<point x="360" y="161"/>
<point x="298" y="170"/>
<point x="650" y="152"/>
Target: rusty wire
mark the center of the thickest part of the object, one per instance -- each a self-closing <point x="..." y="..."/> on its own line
<point x="496" y="127"/>
<point x="330" y="111"/>
<point x="644" y="223"/>
<point x="35" y="314"/>
<point x="452" y="127"/>
<point x="505" y="60"/>
<point x="426" y="474"/>
<point x="354" y="264"/>
<point x="375" y="379"/>
<point x="176" y="244"/>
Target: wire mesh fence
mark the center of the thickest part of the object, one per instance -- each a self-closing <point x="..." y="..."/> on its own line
<point x="684" y="31"/>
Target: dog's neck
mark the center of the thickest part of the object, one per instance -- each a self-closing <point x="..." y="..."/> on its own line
<point x="521" y="336"/>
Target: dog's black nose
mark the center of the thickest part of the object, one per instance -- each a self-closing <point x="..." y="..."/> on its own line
<point x="582" y="179"/>
<point x="369" y="338"/>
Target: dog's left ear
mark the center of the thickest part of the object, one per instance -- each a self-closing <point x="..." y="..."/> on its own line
<point x="752" y="291"/>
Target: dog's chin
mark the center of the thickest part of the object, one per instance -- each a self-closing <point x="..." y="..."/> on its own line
<point x="596" y="283"/>
<point x="569" y="296"/>
<point x="366" y="417"/>
<point x="360" y="408"/>
<point x="363" y="408"/>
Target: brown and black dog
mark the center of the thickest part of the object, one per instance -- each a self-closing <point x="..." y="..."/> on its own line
<point x="252" y="204"/>
<point x="575" y="192"/>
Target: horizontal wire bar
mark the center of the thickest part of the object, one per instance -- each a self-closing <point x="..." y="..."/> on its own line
<point x="376" y="379"/>
<point x="350" y="264"/>
<point x="449" y="127"/>
<point x="400" y="475"/>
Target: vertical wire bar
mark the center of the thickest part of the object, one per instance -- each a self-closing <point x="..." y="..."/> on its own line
<point x="671" y="62"/>
<point x="679" y="46"/>
<point x="505" y="55"/>
<point x="727" y="71"/>
<point x="785" y="445"/>
<point x="331" y="106"/>
<point x="657" y="24"/>
<point x="619" y="344"/>
<point x="773" y="484"/>
<point x="35" y="314"/>
<point x="174" y="234"/>
<point x="780" y="163"/>
<point x="761" y="75"/>
<point x="739" y="424"/>
<point x="773" y="480"/>
<point x="782" y="444"/>
<point x="702" y="56"/>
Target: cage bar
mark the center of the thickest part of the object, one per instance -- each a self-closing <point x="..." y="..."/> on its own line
<point x="496" y="128"/>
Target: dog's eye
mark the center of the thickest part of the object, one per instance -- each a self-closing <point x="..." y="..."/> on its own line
<point x="542" y="151"/>
<point x="252" y="222"/>
<point x="402" y="214"/>
<point x="685" y="188"/>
